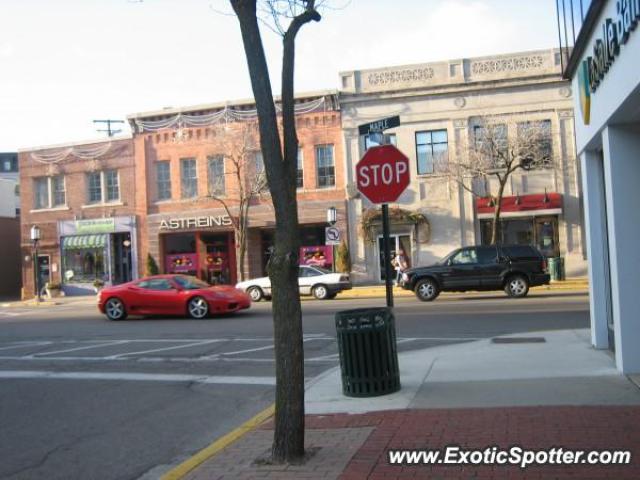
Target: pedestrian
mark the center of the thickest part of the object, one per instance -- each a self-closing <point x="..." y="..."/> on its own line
<point x="400" y="264"/>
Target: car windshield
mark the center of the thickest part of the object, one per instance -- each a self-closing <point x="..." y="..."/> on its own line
<point x="190" y="283"/>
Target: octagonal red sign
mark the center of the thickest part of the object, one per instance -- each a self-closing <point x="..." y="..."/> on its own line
<point x="383" y="174"/>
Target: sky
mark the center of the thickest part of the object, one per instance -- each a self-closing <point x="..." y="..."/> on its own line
<point x="64" y="63"/>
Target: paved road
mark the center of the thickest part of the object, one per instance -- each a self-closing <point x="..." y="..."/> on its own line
<point x="86" y="398"/>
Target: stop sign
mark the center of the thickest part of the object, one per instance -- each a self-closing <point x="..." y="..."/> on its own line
<point x="382" y="174"/>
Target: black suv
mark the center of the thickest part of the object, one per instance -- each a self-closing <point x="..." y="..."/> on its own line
<point x="513" y="268"/>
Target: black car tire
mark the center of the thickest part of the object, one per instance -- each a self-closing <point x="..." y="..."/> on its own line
<point x="115" y="309"/>
<point x="427" y="290"/>
<point x="198" y="308"/>
<point x="255" y="293"/>
<point x="517" y="286"/>
<point x="321" y="292"/>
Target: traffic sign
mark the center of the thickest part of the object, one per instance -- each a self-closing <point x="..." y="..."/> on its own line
<point x="379" y="125"/>
<point x="383" y="174"/>
<point x="332" y="236"/>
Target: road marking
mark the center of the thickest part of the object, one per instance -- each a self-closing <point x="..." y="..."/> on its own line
<point x="175" y="347"/>
<point x="136" y="377"/>
<point x="26" y="344"/>
<point x="86" y="347"/>
<point x="249" y="350"/>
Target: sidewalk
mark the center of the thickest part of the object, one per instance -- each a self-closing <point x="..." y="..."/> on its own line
<point x="553" y="393"/>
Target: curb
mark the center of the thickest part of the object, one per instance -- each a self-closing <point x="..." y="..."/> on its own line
<point x="221" y="443"/>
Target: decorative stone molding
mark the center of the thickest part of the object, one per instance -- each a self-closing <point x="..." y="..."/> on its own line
<point x="460" y="102"/>
<point x="514" y="64"/>
<point x="408" y="75"/>
<point x="461" y="124"/>
<point x="565" y="92"/>
<point x="565" y="113"/>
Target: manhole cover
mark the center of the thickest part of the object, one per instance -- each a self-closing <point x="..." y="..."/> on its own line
<point x="518" y="340"/>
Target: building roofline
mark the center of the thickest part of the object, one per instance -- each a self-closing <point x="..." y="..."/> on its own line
<point x="127" y="136"/>
<point x="595" y="9"/>
<point x="449" y="60"/>
<point x="221" y="105"/>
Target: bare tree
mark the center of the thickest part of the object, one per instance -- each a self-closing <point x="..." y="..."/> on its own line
<point x="286" y="17"/>
<point x="239" y="154"/>
<point x="498" y="148"/>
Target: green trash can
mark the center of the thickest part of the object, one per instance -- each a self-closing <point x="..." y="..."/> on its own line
<point x="368" y="352"/>
<point x="556" y="268"/>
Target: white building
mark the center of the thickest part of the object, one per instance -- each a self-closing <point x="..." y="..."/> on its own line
<point x="605" y="71"/>
<point x="440" y="105"/>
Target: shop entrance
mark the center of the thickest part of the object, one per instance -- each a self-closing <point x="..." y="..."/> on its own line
<point x="121" y="258"/>
<point x="396" y="243"/>
<point x="206" y="255"/>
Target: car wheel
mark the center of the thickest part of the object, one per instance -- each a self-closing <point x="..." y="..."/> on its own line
<point x="114" y="309"/>
<point x="321" y="292"/>
<point x="255" y="293"/>
<point x="427" y="290"/>
<point x="517" y="286"/>
<point x="198" y="308"/>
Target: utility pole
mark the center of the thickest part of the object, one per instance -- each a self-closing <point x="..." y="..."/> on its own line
<point x="109" y="131"/>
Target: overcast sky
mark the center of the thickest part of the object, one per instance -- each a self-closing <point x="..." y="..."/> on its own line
<point x="64" y="63"/>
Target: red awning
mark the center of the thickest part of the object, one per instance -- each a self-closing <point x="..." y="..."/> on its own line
<point x="522" y="205"/>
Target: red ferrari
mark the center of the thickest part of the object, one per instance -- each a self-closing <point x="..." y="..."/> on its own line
<point x="170" y="295"/>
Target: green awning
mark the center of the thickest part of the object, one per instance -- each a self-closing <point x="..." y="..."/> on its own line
<point x="78" y="242"/>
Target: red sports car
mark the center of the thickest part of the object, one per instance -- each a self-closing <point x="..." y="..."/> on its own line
<point x="170" y="295"/>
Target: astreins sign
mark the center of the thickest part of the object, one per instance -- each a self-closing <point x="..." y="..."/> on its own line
<point x="615" y="32"/>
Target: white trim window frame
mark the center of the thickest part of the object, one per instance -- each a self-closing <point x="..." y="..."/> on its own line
<point x="101" y="192"/>
<point x="188" y="177"/>
<point x="49" y="200"/>
<point x="163" y="180"/>
<point x="216" y="175"/>
<point x="300" y="170"/>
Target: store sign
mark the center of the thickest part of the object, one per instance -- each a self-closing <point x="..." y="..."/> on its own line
<point x="615" y="33"/>
<point x="196" y="222"/>
<point x="319" y="256"/>
<point x="96" y="225"/>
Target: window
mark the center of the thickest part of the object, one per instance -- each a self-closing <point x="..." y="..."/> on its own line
<point x="491" y="142"/>
<point x="157" y="284"/>
<point x="163" y="180"/>
<point x="300" y="171"/>
<point x="465" y="257"/>
<point x="259" y="162"/>
<point x="215" y="172"/>
<point x="370" y="141"/>
<point x="431" y="149"/>
<point x="535" y="137"/>
<point x="84" y="265"/>
<point x="49" y="192"/>
<point x="95" y="187"/>
<point x="326" y="168"/>
<point x="103" y="186"/>
<point x="112" y="183"/>
<point x="188" y="178"/>
<point x="487" y="255"/>
<point x="59" y="194"/>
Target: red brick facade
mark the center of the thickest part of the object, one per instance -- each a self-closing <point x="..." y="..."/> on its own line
<point x="174" y="230"/>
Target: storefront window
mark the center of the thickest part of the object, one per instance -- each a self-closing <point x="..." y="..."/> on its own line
<point x="84" y="265"/>
<point x="541" y="233"/>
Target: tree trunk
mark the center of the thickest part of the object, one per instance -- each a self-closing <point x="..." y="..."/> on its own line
<point x="288" y="444"/>
<point x="496" y="214"/>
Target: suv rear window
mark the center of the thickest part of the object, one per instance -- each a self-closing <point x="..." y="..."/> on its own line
<point x="521" y="251"/>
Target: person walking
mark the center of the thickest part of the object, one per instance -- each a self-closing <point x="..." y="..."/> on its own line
<point x="400" y="264"/>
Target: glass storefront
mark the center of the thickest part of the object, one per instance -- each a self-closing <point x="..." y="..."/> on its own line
<point x="84" y="258"/>
<point x="541" y="232"/>
<point x="312" y="243"/>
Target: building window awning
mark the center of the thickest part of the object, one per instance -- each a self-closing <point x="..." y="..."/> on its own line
<point x="78" y="242"/>
<point x="522" y="206"/>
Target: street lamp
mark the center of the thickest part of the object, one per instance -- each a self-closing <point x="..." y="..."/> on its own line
<point x="332" y="216"/>
<point x="35" y="238"/>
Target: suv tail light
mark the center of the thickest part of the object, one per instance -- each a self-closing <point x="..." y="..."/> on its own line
<point x="544" y="265"/>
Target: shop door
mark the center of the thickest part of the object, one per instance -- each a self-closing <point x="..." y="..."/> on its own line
<point x="219" y="267"/>
<point x="396" y="243"/>
<point x="44" y="271"/>
<point x="546" y="229"/>
<point x="121" y="258"/>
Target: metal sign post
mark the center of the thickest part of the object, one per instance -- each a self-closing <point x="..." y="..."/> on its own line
<point x="387" y="254"/>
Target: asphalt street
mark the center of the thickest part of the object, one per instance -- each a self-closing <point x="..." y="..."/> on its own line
<point x="85" y="398"/>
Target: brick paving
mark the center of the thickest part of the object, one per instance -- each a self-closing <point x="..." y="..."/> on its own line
<point x="354" y="447"/>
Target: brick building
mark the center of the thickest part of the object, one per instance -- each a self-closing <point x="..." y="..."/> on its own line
<point x="81" y="197"/>
<point x="190" y="158"/>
